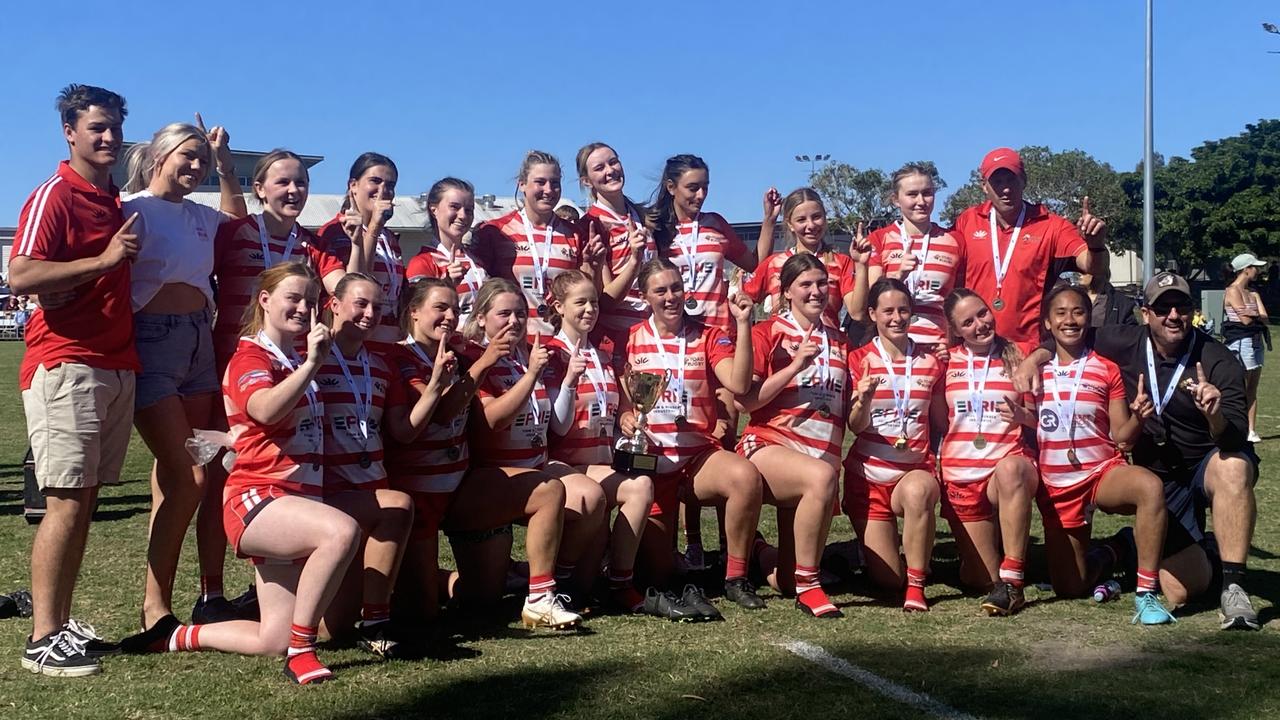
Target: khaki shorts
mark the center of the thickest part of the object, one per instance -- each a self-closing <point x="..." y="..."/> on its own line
<point x="78" y="423"/>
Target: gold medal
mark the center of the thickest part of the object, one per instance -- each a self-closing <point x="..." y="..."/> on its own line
<point x="998" y="303"/>
<point x="979" y="442"/>
<point x="900" y="444"/>
<point x="1072" y="457"/>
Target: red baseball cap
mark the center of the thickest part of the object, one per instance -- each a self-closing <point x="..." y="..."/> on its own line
<point x="1002" y="158"/>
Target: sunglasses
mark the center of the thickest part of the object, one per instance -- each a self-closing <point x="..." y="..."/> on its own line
<point x="1162" y="309"/>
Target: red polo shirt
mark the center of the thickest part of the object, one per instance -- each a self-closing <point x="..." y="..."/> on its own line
<point x="1045" y="237"/>
<point x="66" y="219"/>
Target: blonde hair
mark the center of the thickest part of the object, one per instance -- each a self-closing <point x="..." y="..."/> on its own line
<point x="142" y="160"/>
<point x="531" y="158"/>
<point x="268" y="280"/>
<point x="492" y="288"/>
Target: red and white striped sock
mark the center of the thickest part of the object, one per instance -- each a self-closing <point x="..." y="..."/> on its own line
<point x="301" y="665"/>
<point x="1148" y="580"/>
<point x="1011" y="571"/>
<point x="809" y="593"/>
<point x="185" y="639"/>
<point x="915" y="599"/>
<point x="372" y="613"/>
<point x="302" y="639"/>
<point x="210" y="587"/>
<point x="735" y="567"/>
<point x="540" y="585"/>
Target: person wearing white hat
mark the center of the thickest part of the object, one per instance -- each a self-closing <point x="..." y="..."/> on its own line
<point x="1244" y="328"/>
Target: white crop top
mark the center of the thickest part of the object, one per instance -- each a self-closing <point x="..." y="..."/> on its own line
<point x="175" y="245"/>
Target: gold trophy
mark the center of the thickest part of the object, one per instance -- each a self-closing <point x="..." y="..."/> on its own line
<point x="632" y="453"/>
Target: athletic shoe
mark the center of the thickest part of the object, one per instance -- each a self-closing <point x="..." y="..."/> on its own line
<point x="1004" y="599"/>
<point x="1237" y="612"/>
<point x="214" y="610"/>
<point x="1149" y="610"/>
<point x="59" y="655"/>
<point x="740" y="591"/>
<point x="153" y="639"/>
<point x="247" y="604"/>
<point x="377" y="638"/>
<point x="89" y="640"/>
<point x="549" y="611"/>
<point x="1254" y="437"/>
<point x="15" y="604"/>
<point x="695" y="599"/>
<point x="667" y="605"/>
<point x="691" y="560"/>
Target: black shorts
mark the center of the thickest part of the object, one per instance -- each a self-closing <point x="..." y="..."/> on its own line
<point x="1186" y="501"/>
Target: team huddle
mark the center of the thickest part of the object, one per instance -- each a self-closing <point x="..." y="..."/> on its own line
<point x="545" y="371"/>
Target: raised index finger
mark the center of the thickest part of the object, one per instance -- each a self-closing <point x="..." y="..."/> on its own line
<point x="1200" y="372"/>
<point x="1084" y="205"/>
<point x="128" y="223"/>
<point x="200" y="123"/>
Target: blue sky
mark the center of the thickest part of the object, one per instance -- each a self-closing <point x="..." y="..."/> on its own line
<point x="462" y="89"/>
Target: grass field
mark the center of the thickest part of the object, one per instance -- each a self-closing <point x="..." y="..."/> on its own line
<point x="1055" y="659"/>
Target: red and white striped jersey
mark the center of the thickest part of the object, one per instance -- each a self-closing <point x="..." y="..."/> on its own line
<point x="288" y="454"/>
<point x="434" y="262"/>
<point x="595" y="412"/>
<point x="810" y="413"/>
<point x="873" y="454"/>
<point x="388" y="270"/>
<point x="1099" y="384"/>
<point x="616" y="323"/>
<point x="438" y="459"/>
<point x="962" y="460"/>
<point x="677" y="442"/>
<point x="766" y="281"/>
<point x="706" y="283"/>
<point x="523" y="443"/>
<point x="930" y="283"/>
<point x="237" y="262"/>
<point x="504" y="249"/>
<point x="353" y="459"/>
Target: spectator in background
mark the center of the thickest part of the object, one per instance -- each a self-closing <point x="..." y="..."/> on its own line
<point x="1110" y="306"/>
<point x="21" y="316"/>
<point x="1244" y="329"/>
<point x="569" y="212"/>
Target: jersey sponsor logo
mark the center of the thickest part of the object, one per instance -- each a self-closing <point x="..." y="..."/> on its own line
<point x="724" y="341"/>
<point x="964" y="406"/>
<point x="979" y="234"/>
<point x="253" y="377"/>
<point x="328" y="381"/>
<point x="1049" y="420"/>
<point x="351" y="424"/>
<point x="256" y="255"/>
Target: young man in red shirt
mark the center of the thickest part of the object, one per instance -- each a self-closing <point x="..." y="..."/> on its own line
<point x="73" y="249"/>
<point x="1015" y="249"/>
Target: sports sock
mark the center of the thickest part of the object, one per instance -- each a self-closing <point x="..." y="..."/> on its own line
<point x="809" y="593"/>
<point x="623" y="589"/>
<point x="735" y="568"/>
<point x="540" y="585"/>
<point x="302" y="639"/>
<point x="186" y="638"/>
<point x="1148" y="580"/>
<point x="1011" y="571"/>
<point x="210" y="587"/>
<point x="915" y="599"/>
<point x="372" y="613"/>
<point x="1232" y="573"/>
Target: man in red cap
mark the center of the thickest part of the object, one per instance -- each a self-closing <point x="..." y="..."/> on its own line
<point x="1015" y="250"/>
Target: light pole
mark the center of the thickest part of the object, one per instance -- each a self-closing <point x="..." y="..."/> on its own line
<point x="1148" y="171"/>
<point x="813" y="161"/>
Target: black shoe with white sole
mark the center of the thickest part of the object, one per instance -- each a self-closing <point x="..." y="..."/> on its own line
<point x="59" y="654"/>
<point x="88" y="638"/>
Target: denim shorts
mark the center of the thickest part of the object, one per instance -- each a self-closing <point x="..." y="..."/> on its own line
<point x="1248" y="350"/>
<point x="177" y="356"/>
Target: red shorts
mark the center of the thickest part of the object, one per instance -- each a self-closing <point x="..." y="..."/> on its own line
<point x="241" y="508"/>
<point x="1072" y="507"/>
<point x="966" y="502"/>
<point x="667" y="486"/>
<point x="429" y="509"/>
<point x="865" y="500"/>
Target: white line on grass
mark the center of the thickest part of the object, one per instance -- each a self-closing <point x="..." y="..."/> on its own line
<point x="888" y="688"/>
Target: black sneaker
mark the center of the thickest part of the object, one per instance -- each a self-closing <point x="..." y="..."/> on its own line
<point x="58" y="654"/>
<point x="88" y="638"/>
<point x="214" y="610"/>
<point x="15" y="604"/>
<point x="152" y="639"/>
<point x="1004" y="599"/>
<point x="247" y="604"/>
<point x="380" y="639"/>
<point x="741" y="591"/>
<point x="693" y="598"/>
<point x="667" y="605"/>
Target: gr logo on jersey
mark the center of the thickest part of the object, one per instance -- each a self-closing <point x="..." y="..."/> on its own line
<point x="1049" y="420"/>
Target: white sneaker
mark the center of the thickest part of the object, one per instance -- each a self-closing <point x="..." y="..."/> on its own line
<point x="549" y="611"/>
<point x="1253" y="437"/>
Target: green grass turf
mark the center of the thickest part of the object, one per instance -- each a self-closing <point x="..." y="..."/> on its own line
<point x="1055" y="659"/>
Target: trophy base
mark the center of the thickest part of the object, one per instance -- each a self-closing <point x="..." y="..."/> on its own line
<point x="625" y="461"/>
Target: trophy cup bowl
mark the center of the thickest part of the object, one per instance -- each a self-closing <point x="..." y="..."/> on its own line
<point x="631" y="455"/>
